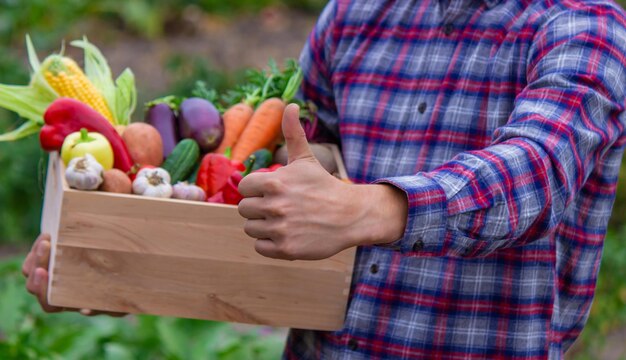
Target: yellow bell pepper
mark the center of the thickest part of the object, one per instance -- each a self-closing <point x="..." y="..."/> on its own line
<point x="82" y="142"/>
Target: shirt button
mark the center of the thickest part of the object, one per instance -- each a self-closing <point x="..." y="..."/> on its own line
<point x="418" y="246"/>
<point x="421" y="108"/>
<point x="353" y="344"/>
<point x="448" y="29"/>
<point x="374" y="268"/>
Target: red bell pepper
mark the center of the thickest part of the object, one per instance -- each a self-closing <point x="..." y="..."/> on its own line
<point x="215" y="169"/>
<point x="272" y="168"/>
<point x="231" y="189"/>
<point x="65" y="116"/>
<point x="217" y="198"/>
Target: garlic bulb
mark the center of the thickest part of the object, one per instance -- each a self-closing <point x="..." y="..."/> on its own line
<point x="153" y="183"/>
<point x="185" y="191"/>
<point x="84" y="173"/>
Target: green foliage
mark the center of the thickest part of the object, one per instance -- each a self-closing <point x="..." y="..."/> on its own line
<point x="28" y="333"/>
<point x="608" y="311"/>
<point x="20" y="178"/>
<point x="233" y="7"/>
<point x="21" y="189"/>
<point x="618" y="217"/>
<point x="187" y="70"/>
<point x="50" y="20"/>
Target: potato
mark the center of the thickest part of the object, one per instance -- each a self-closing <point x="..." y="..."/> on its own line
<point x="144" y="144"/>
<point x="116" y="181"/>
<point x="322" y="153"/>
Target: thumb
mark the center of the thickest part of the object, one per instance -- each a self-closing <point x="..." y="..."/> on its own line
<point x="295" y="138"/>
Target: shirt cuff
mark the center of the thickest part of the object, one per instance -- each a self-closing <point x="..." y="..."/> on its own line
<point x="426" y="221"/>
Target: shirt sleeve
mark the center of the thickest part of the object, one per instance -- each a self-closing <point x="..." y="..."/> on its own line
<point x="316" y="61"/>
<point x="517" y="189"/>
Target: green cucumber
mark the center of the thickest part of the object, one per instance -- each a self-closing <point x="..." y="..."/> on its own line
<point x="194" y="174"/>
<point x="182" y="160"/>
<point x="263" y="158"/>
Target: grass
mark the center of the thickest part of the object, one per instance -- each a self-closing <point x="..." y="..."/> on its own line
<point x="28" y="333"/>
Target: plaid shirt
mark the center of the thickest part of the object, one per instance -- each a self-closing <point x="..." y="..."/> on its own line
<point x="502" y="121"/>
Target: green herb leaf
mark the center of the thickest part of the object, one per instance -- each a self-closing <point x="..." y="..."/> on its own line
<point x="172" y="101"/>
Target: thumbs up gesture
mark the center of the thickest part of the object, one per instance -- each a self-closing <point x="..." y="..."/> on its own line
<point x="300" y="211"/>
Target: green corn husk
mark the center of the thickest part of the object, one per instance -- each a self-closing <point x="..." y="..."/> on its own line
<point x="31" y="101"/>
<point x="121" y="94"/>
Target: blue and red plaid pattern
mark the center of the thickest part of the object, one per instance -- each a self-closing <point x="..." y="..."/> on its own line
<point x="503" y="122"/>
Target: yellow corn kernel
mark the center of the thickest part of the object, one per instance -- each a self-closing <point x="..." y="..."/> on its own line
<point x="69" y="80"/>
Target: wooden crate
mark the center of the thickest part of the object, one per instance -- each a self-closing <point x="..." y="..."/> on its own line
<point x="168" y="257"/>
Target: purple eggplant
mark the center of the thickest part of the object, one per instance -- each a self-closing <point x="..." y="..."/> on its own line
<point x="198" y="119"/>
<point x="163" y="118"/>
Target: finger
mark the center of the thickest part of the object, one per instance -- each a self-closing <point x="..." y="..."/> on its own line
<point x="258" y="229"/>
<point x="252" y="185"/>
<point x="267" y="248"/>
<point x="29" y="263"/>
<point x="295" y="138"/>
<point x="41" y="282"/>
<point x="252" y="208"/>
<point x="32" y="286"/>
<point x="89" y="312"/>
<point x="42" y="253"/>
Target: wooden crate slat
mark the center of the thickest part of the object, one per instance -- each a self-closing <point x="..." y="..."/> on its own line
<point x="128" y="253"/>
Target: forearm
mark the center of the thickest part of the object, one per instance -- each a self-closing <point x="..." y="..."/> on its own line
<point x="380" y="214"/>
<point x="506" y="195"/>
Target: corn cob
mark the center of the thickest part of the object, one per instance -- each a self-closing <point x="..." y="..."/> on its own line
<point x="68" y="80"/>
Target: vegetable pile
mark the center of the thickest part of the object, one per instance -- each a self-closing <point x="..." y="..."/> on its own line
<point x="196" y="148"/>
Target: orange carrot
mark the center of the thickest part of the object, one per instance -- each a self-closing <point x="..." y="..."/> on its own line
<point x="235" y="120"/>
<point x="262" y="129"/>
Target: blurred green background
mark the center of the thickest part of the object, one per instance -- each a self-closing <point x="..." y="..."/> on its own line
<point x="169" y="47"/>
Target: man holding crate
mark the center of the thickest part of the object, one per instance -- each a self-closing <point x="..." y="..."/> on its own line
<point x="486" y="138"/>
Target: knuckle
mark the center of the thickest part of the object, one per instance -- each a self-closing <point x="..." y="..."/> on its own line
<point x="280" y="231"/>
<point x="274" y="185"/>
<point x="287" y="250"/>
<point x="298" y="136"/>
<point x="275" y="210"/>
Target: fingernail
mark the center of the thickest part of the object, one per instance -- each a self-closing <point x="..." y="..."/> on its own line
<point x="37" y="279"/>
<point x="41" y="251"/>
<point x="85" y="311"/>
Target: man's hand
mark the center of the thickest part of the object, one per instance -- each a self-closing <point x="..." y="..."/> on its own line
<point x="300" y="211"/>
<point x="35" y="269"/>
